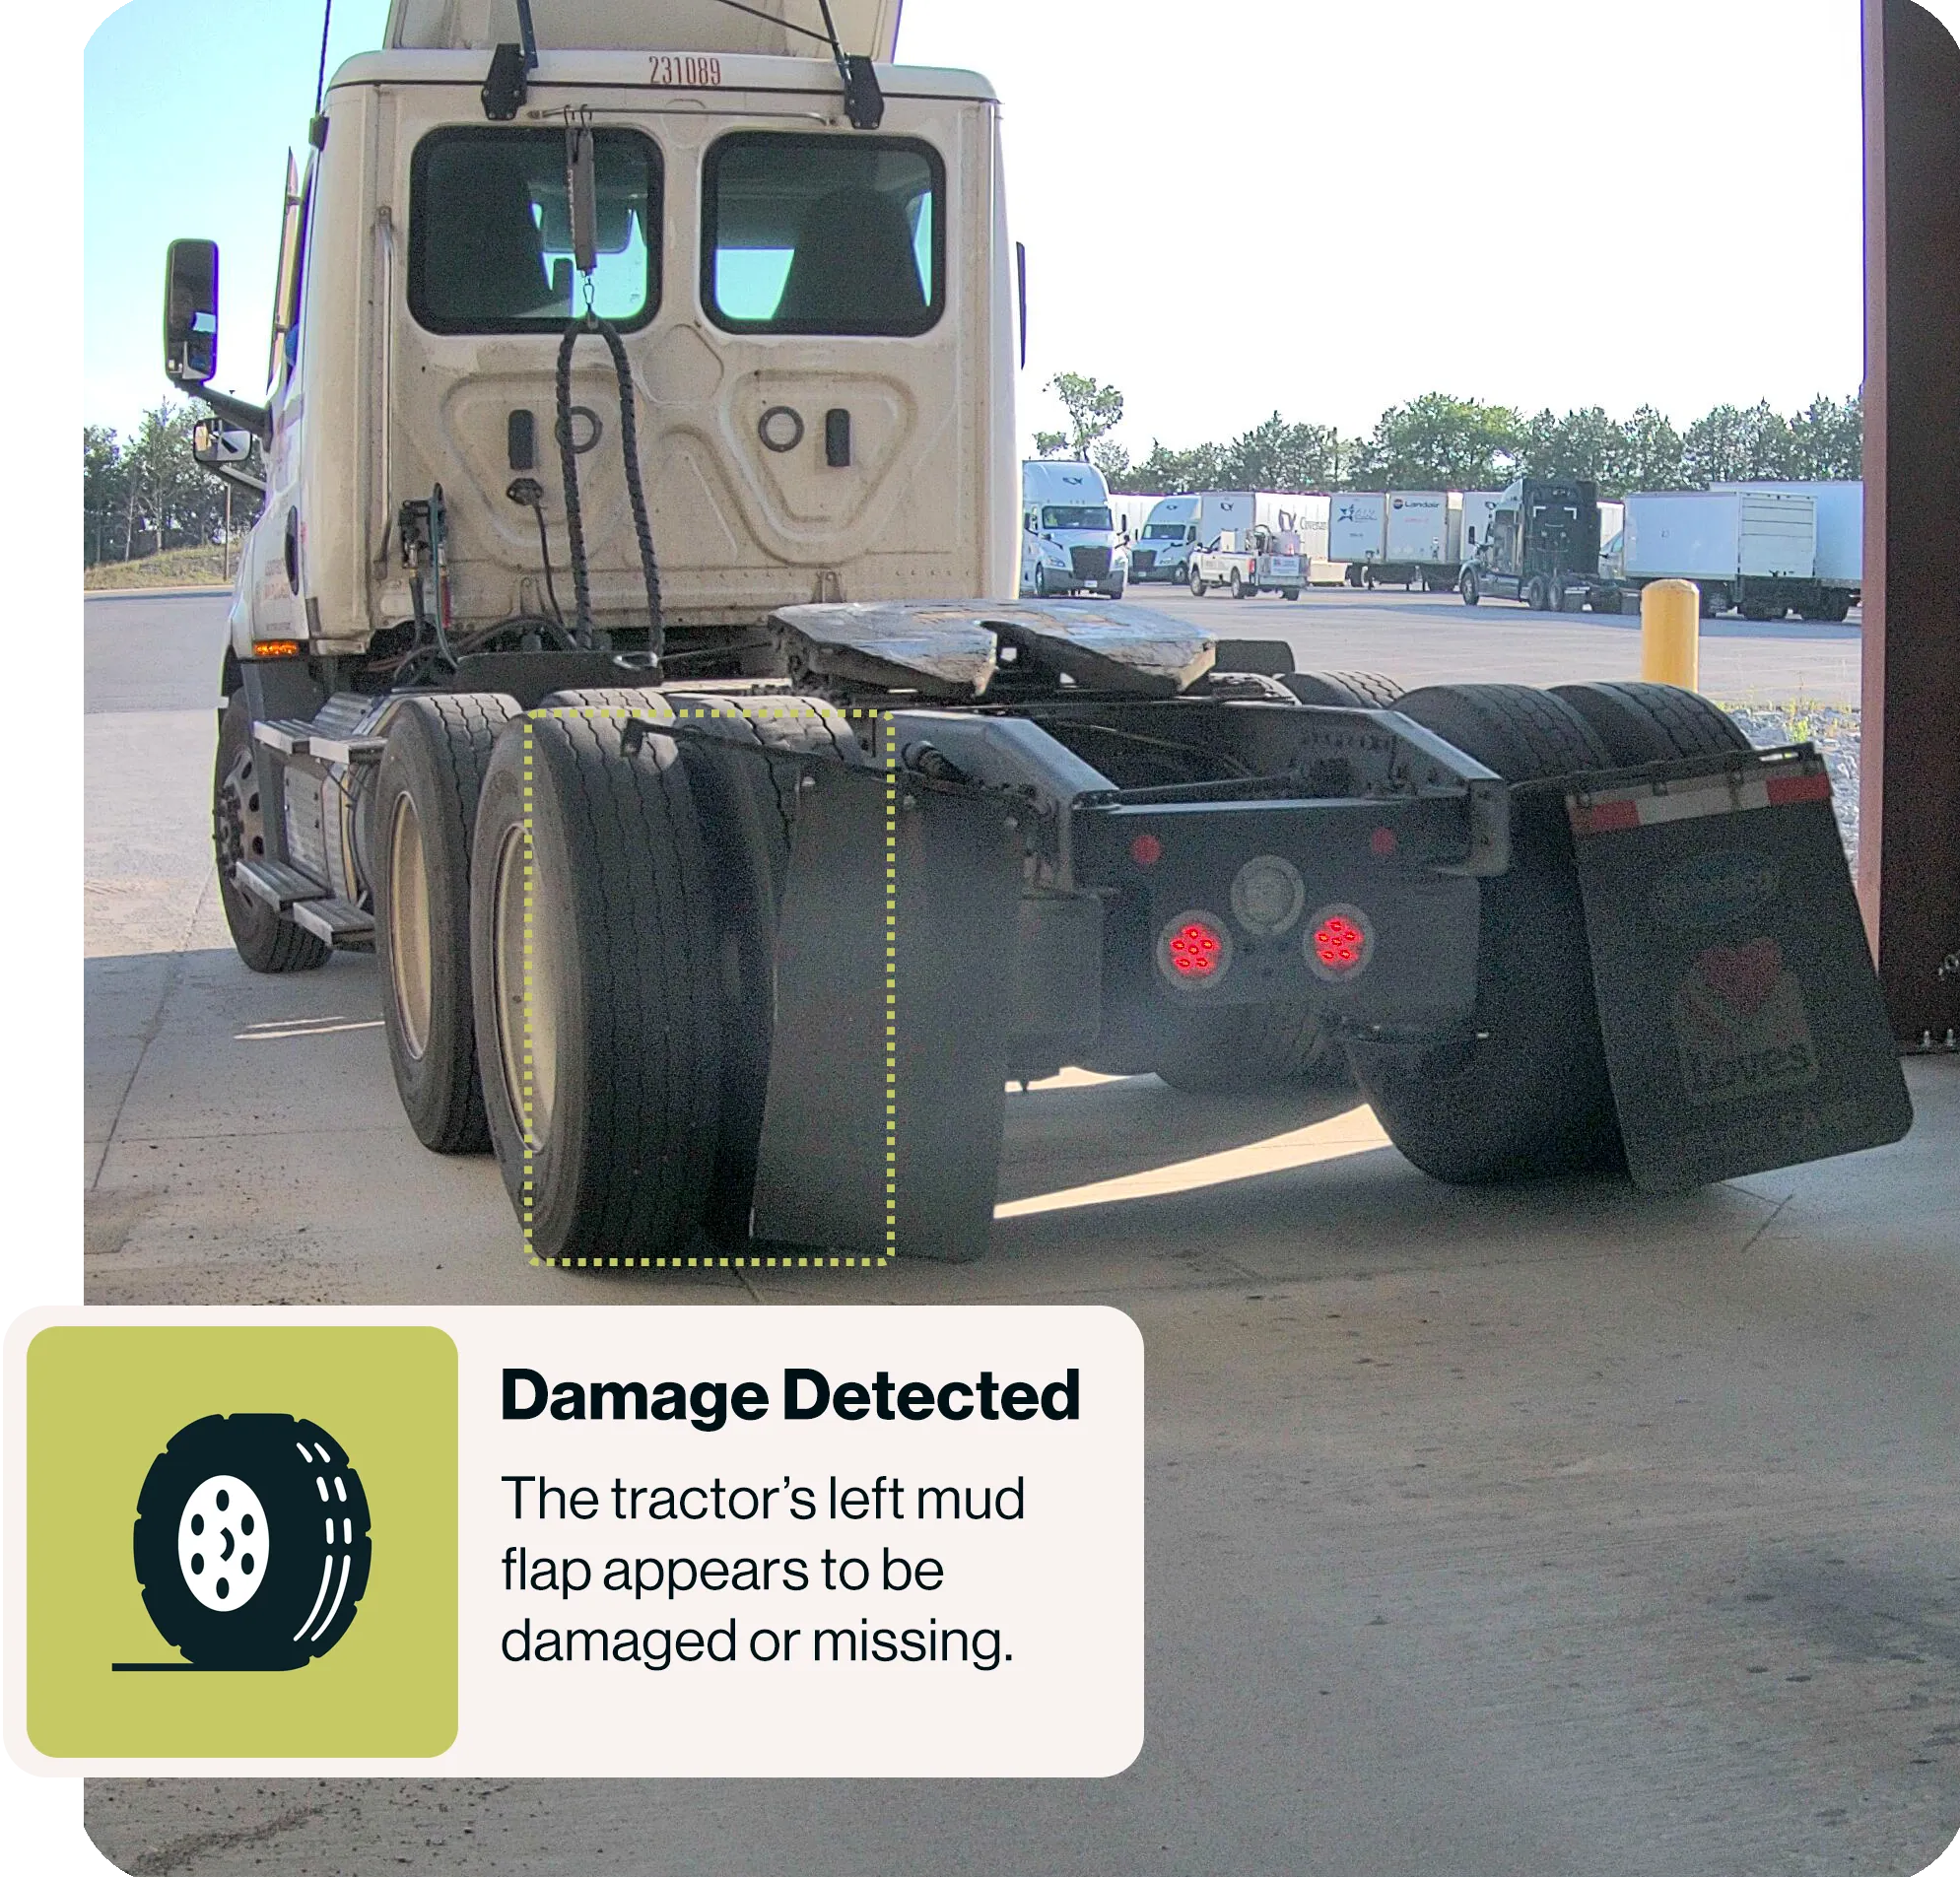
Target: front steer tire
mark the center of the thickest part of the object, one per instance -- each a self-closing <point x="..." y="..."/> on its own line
<point x="424" y="817"/>
<point x="266" y="939"/>
<point x="1522" y="1090"/>
<point x="598" y="982"/>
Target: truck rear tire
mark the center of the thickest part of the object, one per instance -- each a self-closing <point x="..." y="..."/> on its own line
<point x="1653" y="723"/>
<point x="266" y="939"/>
<point x="1292" y="592"/>
<point x="1522" y="1090"/>
<point x="1237" y="586"/>
<point x="424" y="815"/>
<point x="595" y="959"/>
<point x="1345" y="689"/>
<point x="1715" y="600"/>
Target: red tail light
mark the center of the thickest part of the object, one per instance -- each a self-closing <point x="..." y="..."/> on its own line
<point x="1340" y="943"/>
<point x="1194" y="951"/>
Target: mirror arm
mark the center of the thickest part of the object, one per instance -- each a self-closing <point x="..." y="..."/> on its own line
<point x="234" y="411"/>
<point x="226" y="472"/>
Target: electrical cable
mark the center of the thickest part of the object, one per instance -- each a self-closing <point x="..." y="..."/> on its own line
<point x="568" y="461"/>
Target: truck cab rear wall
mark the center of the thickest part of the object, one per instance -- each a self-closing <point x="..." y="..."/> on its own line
<point x="391" y="408"/>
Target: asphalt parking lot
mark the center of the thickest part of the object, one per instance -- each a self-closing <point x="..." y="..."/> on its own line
<point x="1539" y="1529"/>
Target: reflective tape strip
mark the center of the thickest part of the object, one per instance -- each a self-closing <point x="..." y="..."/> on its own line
<point x="1613" y="814"/>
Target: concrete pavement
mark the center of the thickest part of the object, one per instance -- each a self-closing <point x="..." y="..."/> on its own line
<point x="1544" y="1529"/>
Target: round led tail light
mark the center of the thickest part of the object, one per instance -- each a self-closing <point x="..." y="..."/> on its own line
<point x="1268" y="895"/>
<point x="1194" y="951"/>
<point x="1338" y="943"/>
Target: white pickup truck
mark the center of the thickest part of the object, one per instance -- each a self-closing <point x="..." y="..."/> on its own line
<point x="1248" y="562"/>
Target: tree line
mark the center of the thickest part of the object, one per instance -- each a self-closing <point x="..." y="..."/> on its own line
<point x="1441" y="441"/>
<point x="144" y="493"/>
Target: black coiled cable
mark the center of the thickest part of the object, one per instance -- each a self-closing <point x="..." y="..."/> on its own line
<point x="568" y="459"/>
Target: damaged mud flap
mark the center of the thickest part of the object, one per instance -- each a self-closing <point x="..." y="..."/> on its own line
<point x="880" y="1128"/>
<point x="1742" y="1020"/>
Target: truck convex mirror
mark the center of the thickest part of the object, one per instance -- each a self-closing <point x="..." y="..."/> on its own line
<point x="214" y="444"/>
<point x="190" y="312"/>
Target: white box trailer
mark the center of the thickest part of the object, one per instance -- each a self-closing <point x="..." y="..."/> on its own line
<point x="1750" y="549"/>
<point x="1840" y="526"/>
<point x="1358" y="531"/>
<point x="1425" y="536"/>
<point x="1304" y="515"/>
<point x="1131" y="512"/>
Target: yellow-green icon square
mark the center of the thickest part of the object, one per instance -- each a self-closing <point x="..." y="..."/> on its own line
<point x="240" y="1542"/>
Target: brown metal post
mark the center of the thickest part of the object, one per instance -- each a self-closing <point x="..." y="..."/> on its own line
<point x="1908" y="795"/>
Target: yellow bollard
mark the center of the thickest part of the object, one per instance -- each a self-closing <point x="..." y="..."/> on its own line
<point x="1670" y="623"/>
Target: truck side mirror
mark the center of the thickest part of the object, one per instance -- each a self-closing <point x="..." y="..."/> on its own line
<point x="214" y="444"/>
<point x="190" y="313"/>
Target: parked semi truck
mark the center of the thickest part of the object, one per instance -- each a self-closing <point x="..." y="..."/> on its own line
<point x="1180" y="524"/>
<point x="627" y="656"/>
<point x="1069" y="533"/>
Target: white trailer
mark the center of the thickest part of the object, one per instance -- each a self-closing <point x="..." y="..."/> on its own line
<point x="1425" y="538"/>
<point x="1131" y="512"/>
<point x="1303" y="515"/>
<point x="1752" y="551"/>
<point x="1839" y="566"/>
<point x="1358" y="531"/>
<point x="1406" y="537"/>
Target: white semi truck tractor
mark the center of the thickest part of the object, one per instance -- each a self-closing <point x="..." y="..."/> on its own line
<point x="628" y="654"/>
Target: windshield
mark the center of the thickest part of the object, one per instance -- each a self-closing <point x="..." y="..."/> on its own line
<point x="1084" y="517"/>
<point x="490" y="230"/>
<point x="822" y="235"/>
<point x="1164" y="531"/>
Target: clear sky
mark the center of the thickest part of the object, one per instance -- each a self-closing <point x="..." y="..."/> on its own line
<point x="1229" y="208"/>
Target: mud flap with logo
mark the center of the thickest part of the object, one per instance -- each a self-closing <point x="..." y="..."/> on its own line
<point x="1742" y="1020"/>
<point x="887" y="1076"/>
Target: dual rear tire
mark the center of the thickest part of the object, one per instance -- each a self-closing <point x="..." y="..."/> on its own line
<point x="1522" y="1089"/>
<point x="622" y="932"/>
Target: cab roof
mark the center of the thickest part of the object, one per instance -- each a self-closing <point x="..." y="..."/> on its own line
<point x="657" y="72"/>
<point x="867" y="26"/>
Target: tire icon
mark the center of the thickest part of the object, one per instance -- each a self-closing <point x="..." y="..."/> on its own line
<point x="251" y="1541"/>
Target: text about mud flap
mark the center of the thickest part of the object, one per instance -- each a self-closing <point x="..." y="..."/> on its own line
<point x="806" y="1542"/>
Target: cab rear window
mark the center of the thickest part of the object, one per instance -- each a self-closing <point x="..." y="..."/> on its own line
<point x="834" y="234"/>
<point x="490" y="230"/>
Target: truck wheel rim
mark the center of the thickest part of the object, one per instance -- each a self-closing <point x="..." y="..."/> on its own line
<point x="525" y="970"/>
<point x="410" y="951"/>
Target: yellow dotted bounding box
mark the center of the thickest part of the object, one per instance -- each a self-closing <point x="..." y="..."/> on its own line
<point x="885" y="747"/>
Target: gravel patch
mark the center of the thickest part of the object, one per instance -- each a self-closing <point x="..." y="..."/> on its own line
<point x="1833" y="728"/>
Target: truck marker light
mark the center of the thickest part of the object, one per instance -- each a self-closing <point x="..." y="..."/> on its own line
<point x="1268" y="895"/>
<point x="1381" y="844"/>
<point x="275" y="648"/>
<point x="1340" y="943"/>
<point x="1194" y="951"/>
<point x="1146" y="851"/>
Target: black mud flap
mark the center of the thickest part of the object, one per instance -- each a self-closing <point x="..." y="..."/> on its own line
<point x="1742" y="1019"/>
<point x="887" y="1076"/>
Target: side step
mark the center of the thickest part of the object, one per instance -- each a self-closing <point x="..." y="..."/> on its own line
<point x="338" y="922"/>
<point x="291" y="736"/>
<point x="281" y="887"/>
